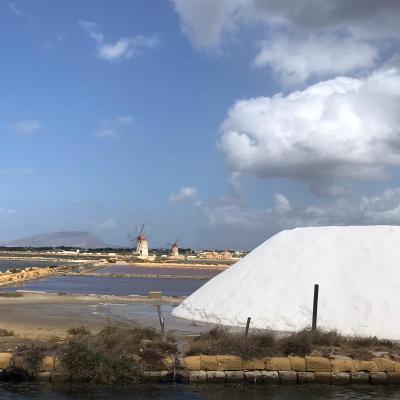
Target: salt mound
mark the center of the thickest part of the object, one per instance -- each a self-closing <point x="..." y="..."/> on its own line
<point x="357" y="268"/>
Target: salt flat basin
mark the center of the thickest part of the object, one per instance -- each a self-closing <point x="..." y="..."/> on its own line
<point x="109" y="285"/>
<point x="178" y="271"/>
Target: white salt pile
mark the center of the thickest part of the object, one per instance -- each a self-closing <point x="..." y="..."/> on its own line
<point x="357" y="268"/>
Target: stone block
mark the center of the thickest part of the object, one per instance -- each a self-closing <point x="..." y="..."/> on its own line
<point x="384" y="364"/>
<point x="253" y="376"/>
<point x="5" y="359"/>
<point x="230" y="363"/>
<point x="259" y="363"/>
<point x="248" y="364"/>
<point x="168" y="362"/>
<point x="340" y="378"/>
<point x="306" y="377"/>
<point x="393" y="378"/>
<point x="270" y="377"/>
<point x="197" y="376"/>
<point x="44" y="376"/>
<point x="287" y="376"/>
<point x="378" y="378"/>
<point x="192" y="363"/>
<point x="215" y="376"/>
<point x="317" y="364"/>
<point x="297" y="363"/>
<point x="343" y="365"/>
<point x="323" y="377"/>
<point x="359" y="377"/>
<point x="396" y="365"/>
<point x="151" y="376"/>
<point x="367" y="366"/>
<point x="278" y="364"/>
<point x="209" y="363"/>
<point x="234" y="376"/>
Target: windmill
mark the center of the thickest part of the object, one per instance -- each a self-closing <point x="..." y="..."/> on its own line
<point x="175" y="249"/>
<point x="139" y="240"/>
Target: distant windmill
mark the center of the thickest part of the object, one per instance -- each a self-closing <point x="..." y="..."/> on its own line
<point x="175" y="249"/>
<point x="140" y="241"/>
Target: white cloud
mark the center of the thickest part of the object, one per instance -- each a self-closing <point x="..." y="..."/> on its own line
<point x="205" y="21"/>
<point x="111" y="129"/>
<point x="262" y="223"/>
<point x="18" y="12"/>
<point x="123" y="48"/>
<point x="26" y="126"/>
<point x="295" y="60"/>
<point x="336" y="37"/>
<point x="7" y="211"/>
<point x="328" y="134"/>
<point x="125" y="120"/>
<point x="186" y="194"/>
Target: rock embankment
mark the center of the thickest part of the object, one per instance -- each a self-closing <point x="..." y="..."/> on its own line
<point x="233" y="369"/>
<point x="15" y="276"/>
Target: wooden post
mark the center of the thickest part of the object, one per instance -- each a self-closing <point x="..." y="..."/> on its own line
<point x="315" y="308"/>
<point x="161" y="319"/>
<point x="246" y="334"/>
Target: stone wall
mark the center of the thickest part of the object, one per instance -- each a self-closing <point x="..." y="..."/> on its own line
<point x="7" y="278"/>
<point x="267" y="370"/>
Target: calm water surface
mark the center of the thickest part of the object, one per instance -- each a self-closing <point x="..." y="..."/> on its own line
<point x="178" y="392"/>
<point x="133" y="269"/>
<point x="105" y="285"/>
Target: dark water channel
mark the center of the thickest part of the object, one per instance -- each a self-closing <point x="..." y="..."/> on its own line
<point x="217" y="392"/>
<point x="20" y="264"/>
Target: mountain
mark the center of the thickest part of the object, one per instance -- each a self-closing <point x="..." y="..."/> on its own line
<point x="60" y="239"/>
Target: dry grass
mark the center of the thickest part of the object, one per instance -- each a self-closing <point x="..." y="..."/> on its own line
<point x="116" y="354"/>
<point x="6" y="332"/>
<point x="324" y="342"/>
<point x="11" y="294"/>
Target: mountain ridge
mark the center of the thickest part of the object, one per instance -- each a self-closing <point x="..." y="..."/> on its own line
<point x="80" y="239"/>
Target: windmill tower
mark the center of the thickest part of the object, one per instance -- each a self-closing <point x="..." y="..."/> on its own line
<point x="175" y="249"/>
<point x="142" y="245"/>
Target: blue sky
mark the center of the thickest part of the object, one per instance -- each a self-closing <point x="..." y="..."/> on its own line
<point x="119" y="113"/>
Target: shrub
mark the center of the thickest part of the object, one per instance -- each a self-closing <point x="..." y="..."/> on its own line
<point x="220" y="340"/>
<point x="116" y="354"/>
<point x="369" y="341"/>
<point x="298" y="343"/>
<point x="11" y="294"/>
<point x="6" y="332"/>
<point x="78" y="330"/>
<point x="31" y="356"/>
<point x="323" y="337"/>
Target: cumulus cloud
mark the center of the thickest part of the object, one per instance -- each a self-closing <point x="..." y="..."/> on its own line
<point x="329" y="134"/>
<point x="382" y="209"/>
<point x="186" y="194"/>
<point x="295" y="60"/>
<point x="25" y="126"/>
<point x="123" y="48"/>
<point x="336" y="37"/>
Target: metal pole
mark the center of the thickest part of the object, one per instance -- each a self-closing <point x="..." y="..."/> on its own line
<point x="315" y="308"/>
<point x="246" y="334"/>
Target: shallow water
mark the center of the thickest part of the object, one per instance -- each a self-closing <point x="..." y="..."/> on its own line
<point x="133" y="269"/>
<point x="115" y="286"/>
<point x="217" y="392"/>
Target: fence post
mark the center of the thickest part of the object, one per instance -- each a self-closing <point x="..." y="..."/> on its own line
<point x="315" y="308"/>
<point x="246" y="334"/>
<point x="161" y="319"/>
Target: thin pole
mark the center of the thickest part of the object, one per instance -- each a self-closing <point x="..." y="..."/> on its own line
<point x="315" y="308"/>
<point x="246" y="334"/>
<point x="161" y="319"/>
